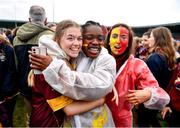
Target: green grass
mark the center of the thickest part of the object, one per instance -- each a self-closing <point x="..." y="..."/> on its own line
<point x="19" y="118"/>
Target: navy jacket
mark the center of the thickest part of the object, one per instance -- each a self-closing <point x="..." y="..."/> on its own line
<point x="8" y="85"/>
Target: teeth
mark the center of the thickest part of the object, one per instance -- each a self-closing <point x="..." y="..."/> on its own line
<point x="93" y="49"/>
<point x="75" y="49"/>
<point x="117" y="47"/>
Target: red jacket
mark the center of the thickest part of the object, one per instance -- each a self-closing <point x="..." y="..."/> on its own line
<point x="135" y="74"/>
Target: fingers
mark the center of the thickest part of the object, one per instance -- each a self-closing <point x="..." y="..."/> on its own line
<point x="117" y="102"/>
<point x="35" y="60"/>
<point x="132" y="97"/>
<point x="131" y="91"/>
<point x="133" y="101"/>
<point x="34" y="57"/>
<point x="113" y="98"/>
<point x="163" y="113"/>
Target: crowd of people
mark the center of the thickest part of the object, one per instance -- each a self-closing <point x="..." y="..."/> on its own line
<point x="90" y="76"/>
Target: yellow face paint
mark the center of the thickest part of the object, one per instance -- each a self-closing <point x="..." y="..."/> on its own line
<point x="85" y="45"/>
<point x="114" y="38"/>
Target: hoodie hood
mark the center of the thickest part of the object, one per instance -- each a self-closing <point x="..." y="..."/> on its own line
<point x="30" y="33"/>
<point x="53" y="49"/>
<point x="29" y="30"/>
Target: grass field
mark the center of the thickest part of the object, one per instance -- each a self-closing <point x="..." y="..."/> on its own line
<point x="19" y="113"/>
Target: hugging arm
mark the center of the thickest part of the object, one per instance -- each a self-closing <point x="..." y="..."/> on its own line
<point x="79" y="85"/>
<point x="78" y="107"/>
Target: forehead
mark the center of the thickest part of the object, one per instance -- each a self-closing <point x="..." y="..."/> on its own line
<point x="120" y="30"/>
<point x="93" y="29"/>
<point x="72" y="31"/>
<point x="145" y="37"/>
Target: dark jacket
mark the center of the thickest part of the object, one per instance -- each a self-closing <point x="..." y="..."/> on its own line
<point x="159" y="67"/>
<point x="8" y="86"/>
<point x="27" y="36"/>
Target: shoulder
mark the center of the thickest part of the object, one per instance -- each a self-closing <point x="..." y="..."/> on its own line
<point x="105" y="56"/>
<point x="136" y="62"/>
<point x="105" y="60"/>
<point x="46" y="38"/>
<point x="156" y="58"/>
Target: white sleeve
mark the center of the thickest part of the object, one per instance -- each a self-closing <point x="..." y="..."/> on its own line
<point x="53" y="49"/>
<point x="79" y="85"/>
<point x="159" y="98"/>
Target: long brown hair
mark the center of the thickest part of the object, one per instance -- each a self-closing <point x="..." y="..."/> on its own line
<point x="164" y="45"/>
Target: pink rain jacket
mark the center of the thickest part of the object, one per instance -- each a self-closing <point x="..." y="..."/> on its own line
<point x="133" y="74"/>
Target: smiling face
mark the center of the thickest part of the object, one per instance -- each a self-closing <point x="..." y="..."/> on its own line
<point x="71" y="41"/>
<point x="93" y="40"/>
<point x="119" y="39"/>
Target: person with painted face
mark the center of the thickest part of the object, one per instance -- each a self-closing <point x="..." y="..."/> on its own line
<point x="93" y="79"/>
<point x="135" y="83"/>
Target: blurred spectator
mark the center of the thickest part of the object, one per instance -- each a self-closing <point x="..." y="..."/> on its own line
<point x="161" y="62"/>
<point x="27" y="36"/>
<point x="9" y="35"/>
<point x="51" y="25"/>
<point x="8" y="85"/>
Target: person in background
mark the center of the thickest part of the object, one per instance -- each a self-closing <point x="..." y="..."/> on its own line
<point x="93" y="78"/>
<point x="135" y="46"/>
<point x="145" y="39"/>
<point x="27" y="36"/>
<point x="150" y="120"/>
<point x="162" y="59"/>
<point x="8" y="85"/>
<point x="175" y="43"/>
<point x="9" y="35"/>
<point x="105" y="30"/>
<point x="51" y="25"/>
<point x="171" y="113"/>
<point x="135" y="83"/>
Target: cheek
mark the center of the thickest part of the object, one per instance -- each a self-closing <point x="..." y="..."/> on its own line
<point x="112" y="40"/>
<point x="151" y="43"/>
<point x="124" y="43"/>
<point x="81" y="43"/>
<point x="85" y="44"/>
